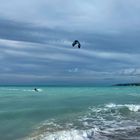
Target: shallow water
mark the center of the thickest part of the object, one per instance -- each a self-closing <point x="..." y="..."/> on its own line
<point x="70" y="113"/>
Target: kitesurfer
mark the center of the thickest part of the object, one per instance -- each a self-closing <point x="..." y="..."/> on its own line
<point x="35" y="89"/>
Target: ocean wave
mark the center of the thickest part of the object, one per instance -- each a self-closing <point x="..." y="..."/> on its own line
<point x="71" y="135"/>
<point x="106" y="131"/>
<point x="106" y="122"/>
<point x="134" y="94"/>
<point x="131" y="107"/>
<point x="130" y="132"/>
<point x="115" y="108"/>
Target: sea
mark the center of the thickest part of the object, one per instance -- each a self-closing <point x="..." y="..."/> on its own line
<point x="69" y="113"/>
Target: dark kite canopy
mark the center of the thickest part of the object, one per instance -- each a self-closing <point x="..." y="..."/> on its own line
<point x="76" y="43"/>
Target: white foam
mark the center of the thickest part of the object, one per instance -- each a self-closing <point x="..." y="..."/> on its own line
<point x="40" y="90"/>
<point x="29" y="90"/>
<point x="10" y="89"/>
<point x="32" y="90"/>
<point x="134" y="94"/>
<point x="20" y="89"/>
<point x="134" y="108"/>
<point x="97" y="124"/>
<point x="111" y="105"/>
<point x="131" y="107"/>
<point x="71" y="135"/>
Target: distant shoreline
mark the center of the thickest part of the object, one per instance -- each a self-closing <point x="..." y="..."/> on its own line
<point x="128" y="84"/>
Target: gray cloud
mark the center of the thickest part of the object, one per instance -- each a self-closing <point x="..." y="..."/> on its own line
<point x="36" y="37"/>
<point x="110" y="16"/>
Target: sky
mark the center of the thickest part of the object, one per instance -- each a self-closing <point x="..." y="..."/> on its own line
<point x="36" y="42"/>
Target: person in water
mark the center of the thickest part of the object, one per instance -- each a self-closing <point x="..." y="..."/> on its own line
<point x="35" y="89"/>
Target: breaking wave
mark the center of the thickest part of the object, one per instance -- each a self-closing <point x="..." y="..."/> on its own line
<point x="130" y="107"/>
<point x="108" y="122"/>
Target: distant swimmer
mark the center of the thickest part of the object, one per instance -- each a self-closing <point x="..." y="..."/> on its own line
<point x="35" y="89"/>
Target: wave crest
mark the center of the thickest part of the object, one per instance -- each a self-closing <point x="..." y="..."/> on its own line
<point x="131" y="107"/>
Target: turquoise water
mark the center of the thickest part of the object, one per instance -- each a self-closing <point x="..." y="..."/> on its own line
<point x="70" y="113"/>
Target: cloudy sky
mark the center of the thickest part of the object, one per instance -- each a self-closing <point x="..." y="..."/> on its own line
<point x="36" y="38"/>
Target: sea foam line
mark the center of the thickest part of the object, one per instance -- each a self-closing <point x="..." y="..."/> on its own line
<point x="131" y="107"/>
